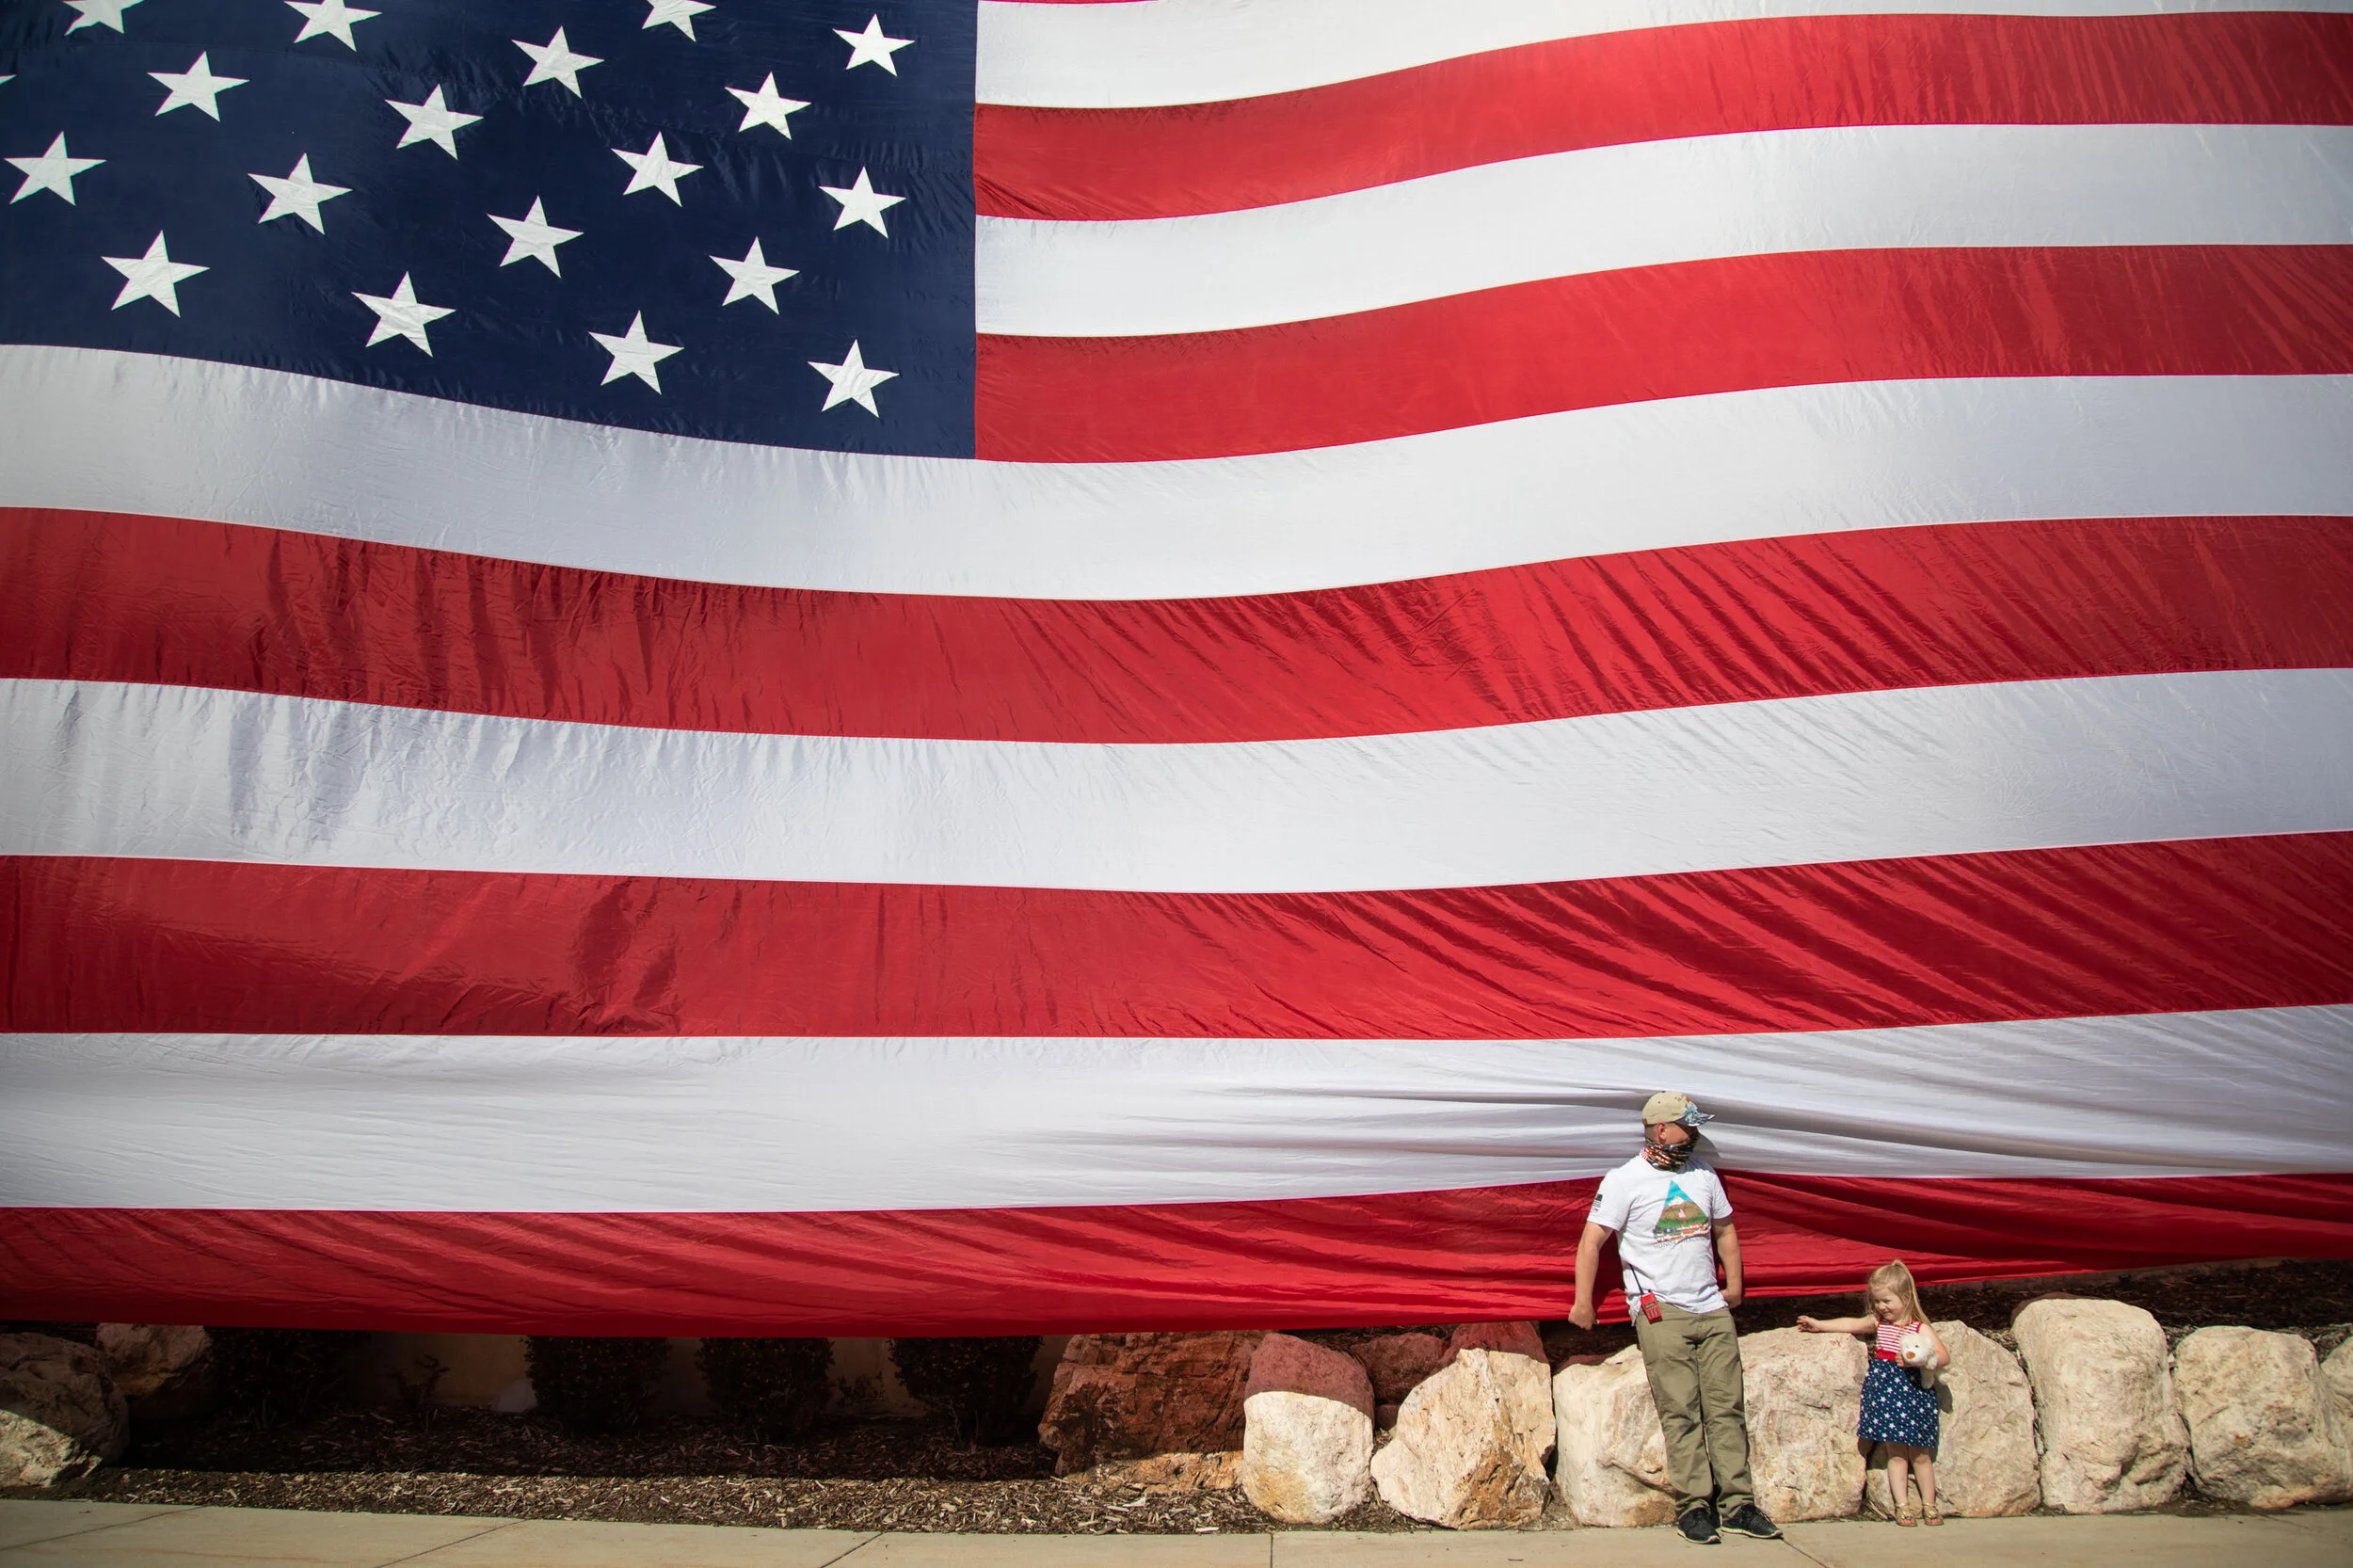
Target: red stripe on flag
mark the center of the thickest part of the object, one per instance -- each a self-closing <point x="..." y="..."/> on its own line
<point x="108" y="945"/>
<point x="2249" y="68"/>
<point x="1733" y="325"/>
<point x="1465" y="1255"/>
<point x="105" y="597"/>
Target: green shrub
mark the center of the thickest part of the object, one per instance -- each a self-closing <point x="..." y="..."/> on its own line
<point x="271" y="1375"/>
<point x="767" y="1389"/>
<point x="594" y="1385"/>
<point x="981" y="1384"/>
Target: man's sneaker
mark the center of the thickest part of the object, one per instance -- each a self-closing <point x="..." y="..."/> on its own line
<point x="1698" y="1526"/>
<point x="1749" y="1519"/>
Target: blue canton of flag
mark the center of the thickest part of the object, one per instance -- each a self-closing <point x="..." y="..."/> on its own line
<point x="748" y="219"/>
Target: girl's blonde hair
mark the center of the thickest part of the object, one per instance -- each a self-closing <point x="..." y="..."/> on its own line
<point x="1893" y="1275"/>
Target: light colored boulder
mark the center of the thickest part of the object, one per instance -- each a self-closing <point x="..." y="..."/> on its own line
<point x="1471" y="1438"/>
<point x="1986" y="1462"/>
<point x="1399" y="1361"/>
<point x="1611" y="1465"/>
<point x="1804" y="1394"/>
<point x="2337" y="1372"/>
<point x="1128" y="1396"/>
<point x="164" y="1370"/>
<point x="2261" y="1429"/>
<point x="143" y="1358"/>
<point x="1307" y="1447"/>
<point x="2111" y="1430"/>
<point x="60" y="1414"/>
<point x="1164" y="1475"/>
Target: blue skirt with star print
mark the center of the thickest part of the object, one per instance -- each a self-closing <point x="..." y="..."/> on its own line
<point x="1896" y="1409"/>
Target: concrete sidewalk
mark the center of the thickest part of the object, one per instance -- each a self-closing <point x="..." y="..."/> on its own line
<point x="125" y="1535"/>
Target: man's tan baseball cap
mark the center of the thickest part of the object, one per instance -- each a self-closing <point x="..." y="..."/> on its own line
<point x="1668" y="1106"/>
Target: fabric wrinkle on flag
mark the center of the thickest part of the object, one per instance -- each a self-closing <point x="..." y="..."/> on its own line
<point x="987" y="665"/>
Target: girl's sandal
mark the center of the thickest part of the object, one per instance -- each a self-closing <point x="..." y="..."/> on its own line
<point x="1930" y="1516"/>
<point x="1905" y="1517"/>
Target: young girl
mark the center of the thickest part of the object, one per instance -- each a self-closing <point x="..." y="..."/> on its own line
<point x="1897" y="1410"/>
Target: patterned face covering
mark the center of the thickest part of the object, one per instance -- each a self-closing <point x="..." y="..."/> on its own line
<point x="1668" y="1157"/>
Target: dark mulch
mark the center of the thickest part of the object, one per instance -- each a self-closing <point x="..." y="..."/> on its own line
<point x="479" y="1443"/>
<point x="909" y="1475"/>
<point x="903" y="1474"/>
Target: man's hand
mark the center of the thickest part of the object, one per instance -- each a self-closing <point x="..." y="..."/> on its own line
<point x="1732" y="1295"/>
<point x="1582" y="1315"/>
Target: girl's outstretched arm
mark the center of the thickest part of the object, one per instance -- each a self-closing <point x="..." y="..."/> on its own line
<point x="1839" y="1326"/>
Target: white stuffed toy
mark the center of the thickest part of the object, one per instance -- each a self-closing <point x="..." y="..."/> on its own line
<point x="1915" y="1350"/>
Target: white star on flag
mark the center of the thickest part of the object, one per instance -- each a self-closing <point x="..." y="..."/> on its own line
<point x="155" y="276"/>
<point x="329" y="18"/>
<point x="767" y="106"/>
<point x="754" y="278"/>
<point x="554" y="62"/>
<point x="854" y="380"/>
<point x="98" y="13"/>
<point x="655" y="169"/>
<point x="401" y="316"/>
<point x="432" y="120"/>
<point x="678" y="13"/>
<point x="862" y="203"/>
<point x="195" y="87"/>
<point x="297" y="194"/>
<point x="54" y="170"/>
<point x="534" y="237"/>
<point x="871" y="48"/>
<point x="633" y="354"/>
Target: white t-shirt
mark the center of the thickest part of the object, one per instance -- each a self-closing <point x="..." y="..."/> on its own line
<point x="1665" y="1222"/>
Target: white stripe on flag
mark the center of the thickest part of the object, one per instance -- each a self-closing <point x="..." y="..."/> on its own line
<point x="178" y="772"/>
<point x="1656" y="202"/>
<point x="1201" y="50"/>
<point x="618" y="1124"/>
<point x="133" y="432"/>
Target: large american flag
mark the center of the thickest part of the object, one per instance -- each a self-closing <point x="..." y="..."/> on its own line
<point x="806" y="666"/>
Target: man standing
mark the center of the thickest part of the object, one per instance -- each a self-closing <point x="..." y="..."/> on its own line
<point x="1672" y="1221"/>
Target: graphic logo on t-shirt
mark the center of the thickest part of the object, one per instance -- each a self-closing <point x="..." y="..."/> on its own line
<point x="1680" y="1218"/>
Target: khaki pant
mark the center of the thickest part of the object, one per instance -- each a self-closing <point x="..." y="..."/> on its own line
<point x="1694" y="1360"/>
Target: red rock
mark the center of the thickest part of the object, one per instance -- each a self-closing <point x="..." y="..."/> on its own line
<point x="1130" y="1396"/>
<point x="1398" y="1361"/>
